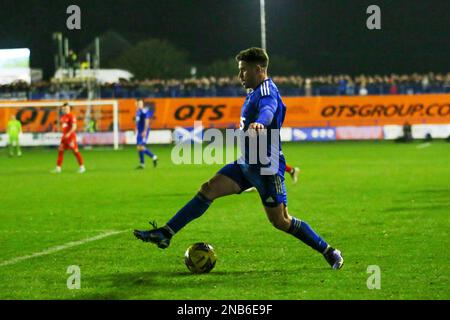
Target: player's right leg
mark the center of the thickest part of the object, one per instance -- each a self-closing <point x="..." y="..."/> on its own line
<point x="140" y="149"/>
<point x="60" y="159"/>
<point x="13" y="144"/>
<point x="222" y="184"/>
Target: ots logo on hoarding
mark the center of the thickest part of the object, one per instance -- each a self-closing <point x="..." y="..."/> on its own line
<point x="199" y="112"/>
<point x="43" y="117"/>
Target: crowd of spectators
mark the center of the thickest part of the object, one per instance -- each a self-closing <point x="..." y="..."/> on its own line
<point x="328" y="85"/>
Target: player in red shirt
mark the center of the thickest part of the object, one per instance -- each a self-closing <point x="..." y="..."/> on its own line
<point x="69" y="139"/>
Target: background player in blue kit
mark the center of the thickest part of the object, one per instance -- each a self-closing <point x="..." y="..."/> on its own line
<point x="144" y="114"/>
<point x="263" y="113"/>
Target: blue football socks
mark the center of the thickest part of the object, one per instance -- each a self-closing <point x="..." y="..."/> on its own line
<point x="302" y="231"/>
<point x="192" y="210"/>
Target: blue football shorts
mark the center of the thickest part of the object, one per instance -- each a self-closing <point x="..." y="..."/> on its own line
<point x="142" y="141"/>
<point x="271" y="188"/>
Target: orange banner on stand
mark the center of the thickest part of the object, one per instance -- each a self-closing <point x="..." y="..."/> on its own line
<point x="309" y="111"/>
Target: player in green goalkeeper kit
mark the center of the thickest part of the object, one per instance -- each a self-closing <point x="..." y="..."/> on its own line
<point x="14" y="130"/>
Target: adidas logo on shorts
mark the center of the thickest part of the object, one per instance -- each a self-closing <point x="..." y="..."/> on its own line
<point x="270" y="200"/>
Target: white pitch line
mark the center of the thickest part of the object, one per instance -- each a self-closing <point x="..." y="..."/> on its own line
<point x="53" y="231"/>
<point x="423" y="145"/>
<point x="59" y="248"/>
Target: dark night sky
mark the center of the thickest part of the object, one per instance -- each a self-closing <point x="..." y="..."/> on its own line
<point x="325" y="36"/>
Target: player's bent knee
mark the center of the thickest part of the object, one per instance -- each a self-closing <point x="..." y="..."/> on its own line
<point x="211" y="191"/>
<point x="207" y="191"/>
<point x="278" y="223"/>
<point x="219" y="186"/>
<point x="279" y="219"/>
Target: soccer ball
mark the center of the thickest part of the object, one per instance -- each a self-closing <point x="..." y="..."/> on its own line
<point x="200" y="258"/>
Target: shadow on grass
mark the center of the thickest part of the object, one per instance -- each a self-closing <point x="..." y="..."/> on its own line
<point x="438" y="192"/>
<point x="416" y="207"/>
<point x="423" y="200"/>
<point x="146" y="285"/>
<point x="172" y="195"/>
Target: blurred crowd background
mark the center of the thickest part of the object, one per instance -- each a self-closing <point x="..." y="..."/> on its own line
<point x="295" y="85"/>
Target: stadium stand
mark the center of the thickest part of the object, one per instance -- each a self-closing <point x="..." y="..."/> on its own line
<point x="327" y="85"/>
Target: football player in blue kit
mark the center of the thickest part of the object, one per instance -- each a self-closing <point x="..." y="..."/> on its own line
<point x="144" y="115"/>
<point x="263" y="113"/>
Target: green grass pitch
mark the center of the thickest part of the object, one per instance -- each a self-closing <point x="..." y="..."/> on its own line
<point x="381" y="203"/>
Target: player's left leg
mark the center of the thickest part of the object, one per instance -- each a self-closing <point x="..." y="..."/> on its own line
<point x="80" y="160"/>
<point x="272" y="191"/>
<point x="151" y="155"/>
<point x="73" y="145"/>
<point x="147" y="152"/>
<point x="18" y="150"/>
<point x="280" y="219"/>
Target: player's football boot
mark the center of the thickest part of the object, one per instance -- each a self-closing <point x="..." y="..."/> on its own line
<point x="334" y="258"/>
<point x="140" y="166"/>
<point x="159" y="236"/>
<point x="294" y="174"/>
<point x="56" y="170"/>
<point x="155" y="162"/>
<point x="82" y="169"/>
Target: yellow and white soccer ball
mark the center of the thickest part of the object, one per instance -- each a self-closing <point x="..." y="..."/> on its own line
<point x="200" y="257"/>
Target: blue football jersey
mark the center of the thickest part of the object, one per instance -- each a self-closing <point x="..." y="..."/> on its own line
<point x="265" y="96"/>
<point x="141" y="116"/>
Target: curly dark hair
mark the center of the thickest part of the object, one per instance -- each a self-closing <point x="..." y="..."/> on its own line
<point x="254" y="55"/>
